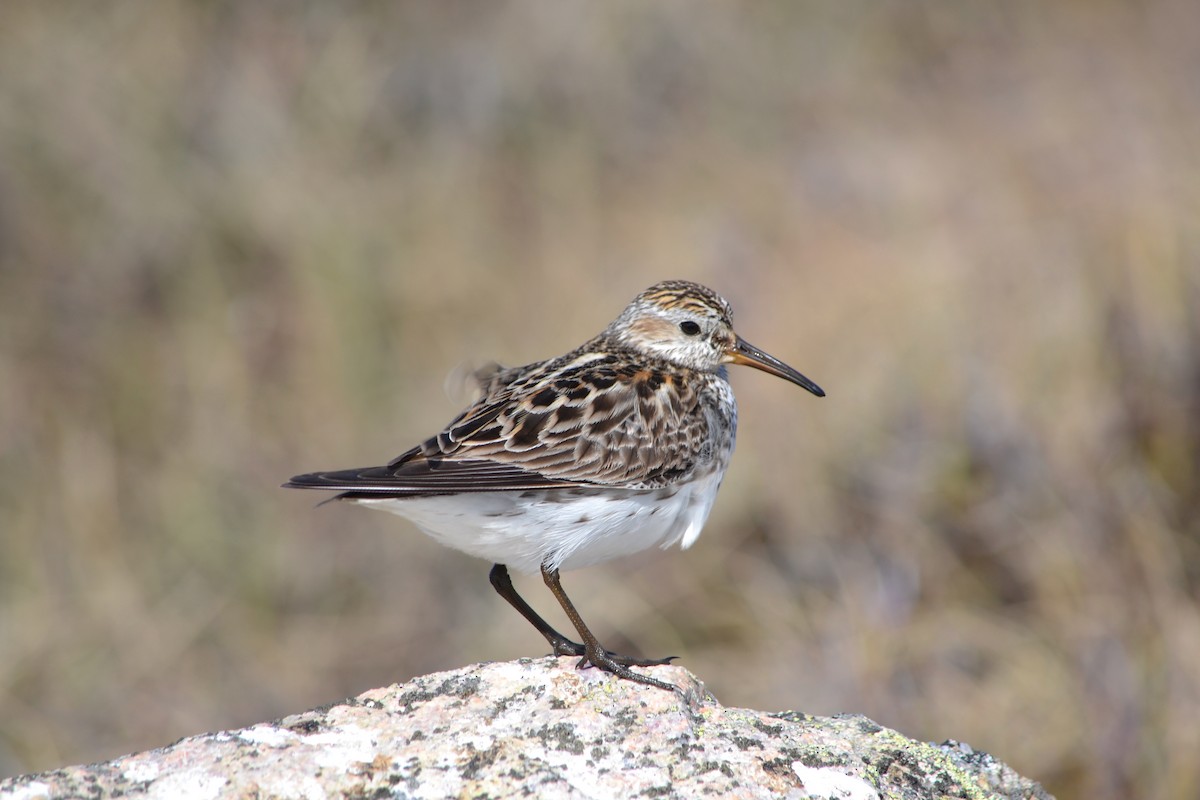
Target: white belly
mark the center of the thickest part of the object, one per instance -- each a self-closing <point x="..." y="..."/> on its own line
<point x="564" y="529"/>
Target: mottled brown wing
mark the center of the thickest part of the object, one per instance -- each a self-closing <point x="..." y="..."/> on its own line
<point x="590" y="422"/>
<point x="596" y="423"/>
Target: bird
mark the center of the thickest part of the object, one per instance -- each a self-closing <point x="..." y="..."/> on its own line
<point x="616" y="447"/>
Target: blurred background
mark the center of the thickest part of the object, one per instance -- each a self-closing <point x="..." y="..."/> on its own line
<point x="241" y="241"/>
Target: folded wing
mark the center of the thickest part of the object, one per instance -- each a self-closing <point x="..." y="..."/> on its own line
<point x="578" y="421"/>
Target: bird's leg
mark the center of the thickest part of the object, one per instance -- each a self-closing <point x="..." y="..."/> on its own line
<point x="503" y="585"/>
<point x="593" y="653"/>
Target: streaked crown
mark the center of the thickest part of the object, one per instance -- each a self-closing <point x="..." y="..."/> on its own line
<point x="689" y="297"/>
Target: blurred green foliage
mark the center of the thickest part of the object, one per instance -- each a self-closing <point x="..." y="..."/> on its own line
<point x="244" y="240"/>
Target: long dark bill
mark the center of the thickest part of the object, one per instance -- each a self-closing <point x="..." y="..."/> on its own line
<point x="745" y="353"/>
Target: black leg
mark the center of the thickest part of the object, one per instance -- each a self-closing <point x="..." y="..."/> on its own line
<point x="503" y="585"/>
<point x="593" y="653"/>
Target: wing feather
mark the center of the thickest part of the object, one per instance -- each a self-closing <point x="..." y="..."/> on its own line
<point x="586" y="419"/>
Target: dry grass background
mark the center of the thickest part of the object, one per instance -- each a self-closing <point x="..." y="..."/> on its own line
<point x="240" y="241"/>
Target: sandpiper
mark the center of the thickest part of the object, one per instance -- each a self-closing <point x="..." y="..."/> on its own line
<point x="615" y="447"/>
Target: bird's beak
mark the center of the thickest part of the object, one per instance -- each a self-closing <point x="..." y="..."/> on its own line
<point x="743" y="352"/>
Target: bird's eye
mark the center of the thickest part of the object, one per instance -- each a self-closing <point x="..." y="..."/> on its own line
<point x="690" y="328"/>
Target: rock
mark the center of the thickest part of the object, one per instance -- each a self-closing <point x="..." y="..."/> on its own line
<point x="541" y="728"/>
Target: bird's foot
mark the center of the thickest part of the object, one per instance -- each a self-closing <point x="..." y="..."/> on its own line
<point x="619" y="666"/>
<point x="566" y="647"/>
<point x="562" y="646"/>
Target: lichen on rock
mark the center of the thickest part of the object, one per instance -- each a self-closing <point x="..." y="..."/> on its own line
<point x="541" y="728"/>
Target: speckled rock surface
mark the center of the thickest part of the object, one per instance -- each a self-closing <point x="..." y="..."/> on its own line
<point x="541" y="729"/>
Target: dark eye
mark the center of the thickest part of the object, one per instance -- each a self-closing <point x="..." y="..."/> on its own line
<point x="690" y="328"/>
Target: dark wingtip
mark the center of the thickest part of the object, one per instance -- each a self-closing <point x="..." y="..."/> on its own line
<point x="311" y="480"/>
